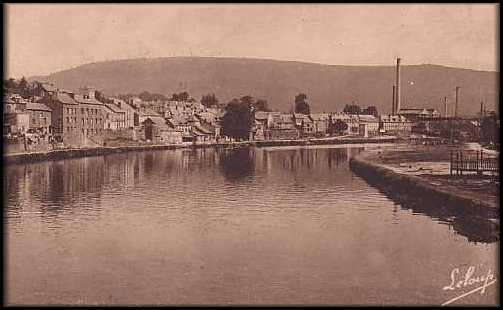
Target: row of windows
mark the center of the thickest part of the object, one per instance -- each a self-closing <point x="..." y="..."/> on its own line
<point x="90" y="120"/>
<point x="82" y="110"/>
<point x="92" y="131"/>
<point x="88" y="111"/>
<point x="40" y="114"/>
<point x="42" y="120"/>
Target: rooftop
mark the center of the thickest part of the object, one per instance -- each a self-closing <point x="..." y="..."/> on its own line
<point x="81" y="99"/>
<point x="35" y="106"/>
<point x="114" y="108"/>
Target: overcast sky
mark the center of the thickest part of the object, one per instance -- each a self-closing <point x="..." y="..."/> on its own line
<point x="41" y="39"/>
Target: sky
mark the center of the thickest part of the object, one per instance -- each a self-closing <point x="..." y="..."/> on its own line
<point x="45" y="38"/>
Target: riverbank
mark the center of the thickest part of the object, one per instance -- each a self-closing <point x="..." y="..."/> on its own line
<point x="423" y="173"/>
<point x="29" y="157"/>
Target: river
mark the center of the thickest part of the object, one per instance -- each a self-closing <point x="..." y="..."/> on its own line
<point x="245" y="226"/>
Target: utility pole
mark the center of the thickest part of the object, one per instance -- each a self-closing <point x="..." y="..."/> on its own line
<point x="398" y="82"/>
<point x="457" y="99"/>
<point x="481" y="119"/>
<point x="445" y="107"/>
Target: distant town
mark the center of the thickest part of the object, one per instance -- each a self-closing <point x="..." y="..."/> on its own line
<point x="39" y="116"/>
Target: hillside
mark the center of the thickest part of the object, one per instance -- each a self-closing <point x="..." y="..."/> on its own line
<point x="328" y="87"/>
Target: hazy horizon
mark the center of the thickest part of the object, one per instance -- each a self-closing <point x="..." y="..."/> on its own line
<point x="46" y="38"/>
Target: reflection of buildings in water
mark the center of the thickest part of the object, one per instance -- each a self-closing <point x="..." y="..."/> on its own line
<point x="351" y="152"/>
<point x="119" y="170"/>
<point x="263" y="160"/>
<point x="148" y="160"/>
<point x="337" y="157"/>
<point x="55" y="184"/>
<point x="295" y="159"/>
<point x="14" y="186"/>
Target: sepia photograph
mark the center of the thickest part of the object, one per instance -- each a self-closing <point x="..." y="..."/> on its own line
<point x="226" y="154"/>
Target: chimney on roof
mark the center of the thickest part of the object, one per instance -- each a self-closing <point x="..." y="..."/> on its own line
<point x="88" y="92"/>
<point x="397" y="102"/>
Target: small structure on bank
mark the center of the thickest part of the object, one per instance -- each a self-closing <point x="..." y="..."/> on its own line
<point x="159" y="132"/>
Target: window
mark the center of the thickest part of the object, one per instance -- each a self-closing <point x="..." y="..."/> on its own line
<point x="82" y="110"/>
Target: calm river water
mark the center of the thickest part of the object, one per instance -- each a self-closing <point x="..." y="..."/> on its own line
<point x="246" y="226"/>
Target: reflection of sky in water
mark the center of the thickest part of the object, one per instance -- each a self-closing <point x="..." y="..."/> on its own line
<point x="250" y="225"/>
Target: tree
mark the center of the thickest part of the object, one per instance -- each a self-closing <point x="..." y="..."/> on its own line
<point x="23" y="84"/>
<point x="238" y="119"/>
<point x="209" y="100"/>
<point x="102" y="98"/>
<point x="10" y="84"/>
<point x="145" y="96"/>
<point x="371" y="110"/>
<point x="175" y="97"/>
<point x="337" y="127"/>
<point x="301" y="105"/>
<point x="125" y="97"/>
<point x="183" y="96"/>
<point x="352" y="109"/>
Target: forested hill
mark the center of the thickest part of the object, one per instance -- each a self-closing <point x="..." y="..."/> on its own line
<point x="328" y="87"/>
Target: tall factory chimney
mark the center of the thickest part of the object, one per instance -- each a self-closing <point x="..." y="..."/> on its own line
<point x="445" y="107"/>
<point x="457" y="99"/>
<point x="397" y="101"/>
<point x="393" y="102"/>
<point x="481" y="109"/>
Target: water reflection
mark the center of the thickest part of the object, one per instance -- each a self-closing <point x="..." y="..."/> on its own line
<point x="215" y="226"/>
<point x="60" y="186"/>
<point x="237" y="164"/>
<point x="475" y="227"/>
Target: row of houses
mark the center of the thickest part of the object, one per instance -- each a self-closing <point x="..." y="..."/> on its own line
<point x="79" y="118"/>
<point x="22" y="116"/>
<point x="277" y="125"/>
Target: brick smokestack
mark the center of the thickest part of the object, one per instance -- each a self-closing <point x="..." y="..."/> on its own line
<point x="393" y="102"/>
<point x="397" y="101"/>
<point x="445" y="107"/>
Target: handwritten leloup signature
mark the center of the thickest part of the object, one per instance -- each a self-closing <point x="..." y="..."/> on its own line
<point x="468" y="279"/>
